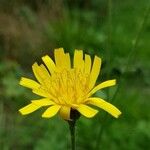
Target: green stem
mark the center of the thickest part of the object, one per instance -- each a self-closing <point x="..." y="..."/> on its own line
<point x="137" y="37"/>
<point x="108" y="48"/>
<point x="109" y="38"/>
<point x="133" y="49"/>
<point x="129" y="58"/>
<point x="72" y="133"/>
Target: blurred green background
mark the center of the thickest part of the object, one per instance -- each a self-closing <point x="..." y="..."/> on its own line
<point x="30" y="29"/>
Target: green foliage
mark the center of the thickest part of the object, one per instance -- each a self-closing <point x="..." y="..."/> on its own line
<point x="31" y="29"/>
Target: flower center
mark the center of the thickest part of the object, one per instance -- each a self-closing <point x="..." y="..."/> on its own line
<point x="69" y="86"/>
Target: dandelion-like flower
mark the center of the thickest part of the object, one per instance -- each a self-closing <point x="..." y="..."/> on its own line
<point x="66" y="86"/>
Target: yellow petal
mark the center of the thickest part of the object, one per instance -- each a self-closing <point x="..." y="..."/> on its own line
<point x="67" y="61"/>
<point x="43" y="102"/>
<point x="101" y="86"/>
<point x="44" y="75"/>
<point x="41" y="74"/>
<point x="49" y="64"/>
<point x="87" y="64"/>
<point x="29" y="83"/>
<point x="59" y="57"/>
<point x="95" y="71"/>
<point x="62" y="60"/>
<point x="35" y="69"/>
<point x="111" y="109"/>
<point x="45" y="72"/>
<point x="65" y="112"/>
<point x="78" y="60"/>
<point x="87" y="111"/>
<point x="29" y="109"/>
<point x="41" y="92"/>
<point x="51" y="111"/>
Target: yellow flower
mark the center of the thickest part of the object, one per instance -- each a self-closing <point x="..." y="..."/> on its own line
<point x="65" y="86"/>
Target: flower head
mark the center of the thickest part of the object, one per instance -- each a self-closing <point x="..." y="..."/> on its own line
<point x="66" y="86"/>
